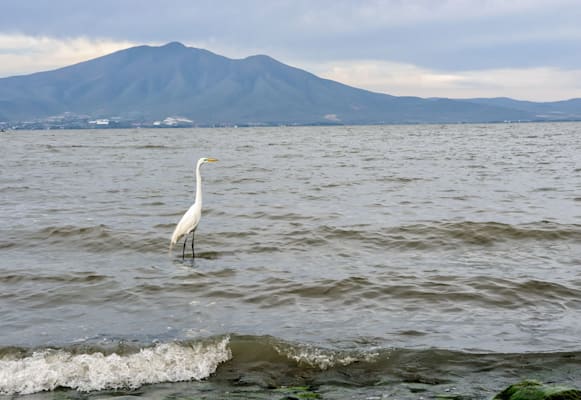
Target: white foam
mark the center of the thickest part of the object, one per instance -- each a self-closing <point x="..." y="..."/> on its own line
<point x="321" y="358"/>
<point x="169" y="362"/>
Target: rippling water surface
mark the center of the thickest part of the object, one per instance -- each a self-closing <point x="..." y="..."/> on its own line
<point x="358" y="261"/>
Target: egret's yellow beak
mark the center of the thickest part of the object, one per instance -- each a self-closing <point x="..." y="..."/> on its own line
<point x="212" y="159"/>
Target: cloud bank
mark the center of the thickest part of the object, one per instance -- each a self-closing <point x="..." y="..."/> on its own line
<point x="21" y="54"/>
<point x="527" y="49"/>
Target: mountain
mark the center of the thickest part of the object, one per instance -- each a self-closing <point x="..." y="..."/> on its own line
<point x="556" y="110"/>
<point x="147" y="82"/>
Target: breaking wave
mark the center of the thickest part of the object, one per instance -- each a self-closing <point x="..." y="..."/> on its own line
<point x="264" y="361"/>
<point x="48" y="369"/>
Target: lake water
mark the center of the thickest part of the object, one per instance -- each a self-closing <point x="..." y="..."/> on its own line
<point x="360" y="262"/>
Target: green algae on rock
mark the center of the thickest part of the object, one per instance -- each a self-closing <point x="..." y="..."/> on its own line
<point x="533" y="390"/>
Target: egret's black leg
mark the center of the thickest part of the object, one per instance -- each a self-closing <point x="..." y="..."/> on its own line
<point x="184" y="249"/>
<point x="193" y="252"/>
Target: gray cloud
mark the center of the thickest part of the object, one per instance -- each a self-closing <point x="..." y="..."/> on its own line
<point x="443" y="36"/>
<point x="438" y="34"/>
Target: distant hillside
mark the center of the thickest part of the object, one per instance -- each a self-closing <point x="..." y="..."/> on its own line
<point x="566" y="109"/>
<point x="173" y="80"/>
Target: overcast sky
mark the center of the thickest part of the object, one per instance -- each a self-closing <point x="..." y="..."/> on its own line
<point x="524" y="49"/>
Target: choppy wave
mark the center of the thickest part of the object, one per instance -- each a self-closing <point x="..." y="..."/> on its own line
<point x="443" y="234"/>
<point x="48" y="369"/>
<point x="259" y="360"/>
<point x="444" y="293"/>
<point x="94" y="146"/>
<point x="426" y="236"/>
<point x="94" y="238"/>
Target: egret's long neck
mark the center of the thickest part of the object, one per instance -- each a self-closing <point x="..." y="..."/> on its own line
<point x="198" y="200"/>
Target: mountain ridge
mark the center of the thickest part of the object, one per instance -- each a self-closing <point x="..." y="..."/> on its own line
<point x="153" y="82"/>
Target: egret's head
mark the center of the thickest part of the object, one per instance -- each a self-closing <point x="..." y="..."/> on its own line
<point x="207" y="160"/>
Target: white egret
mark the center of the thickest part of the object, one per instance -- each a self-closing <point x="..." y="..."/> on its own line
<point x="191" y="218"/>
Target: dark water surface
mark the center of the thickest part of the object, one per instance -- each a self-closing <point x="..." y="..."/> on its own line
<point x="362" y="262"/>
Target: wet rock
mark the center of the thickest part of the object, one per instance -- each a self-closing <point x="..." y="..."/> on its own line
<point x="298" y="393"/>
<point x="533" y="390"/>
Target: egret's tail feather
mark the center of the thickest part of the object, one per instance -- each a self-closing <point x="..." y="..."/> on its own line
<point x="172" y="242"/>
<point x="174" y="239"/>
